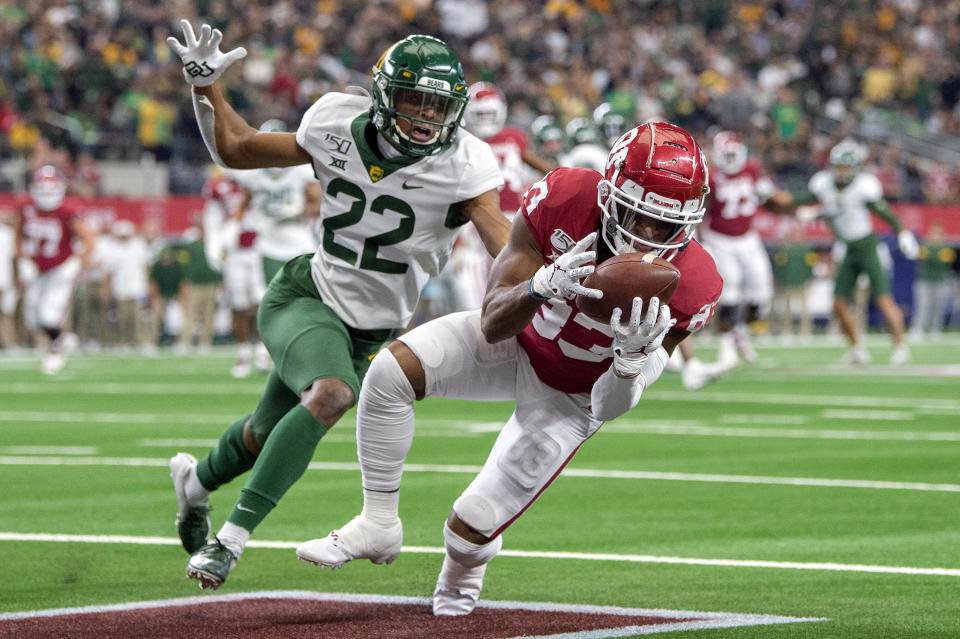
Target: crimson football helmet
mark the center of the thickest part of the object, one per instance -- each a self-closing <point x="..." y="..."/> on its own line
<point x="486" y="112"/>
<point x="47" y="188"/>
<point x="655" y="170"/>
<point x="729" y="153"/>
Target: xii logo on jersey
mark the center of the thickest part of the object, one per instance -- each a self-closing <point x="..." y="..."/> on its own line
<point x="338" y="163"/>
<point x="338" y="144"/>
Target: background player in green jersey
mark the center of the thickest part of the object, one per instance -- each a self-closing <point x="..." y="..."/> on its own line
<point x="848" y="196"/>
<point x="399" y="177"/>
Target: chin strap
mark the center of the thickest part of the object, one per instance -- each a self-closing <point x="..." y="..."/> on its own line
<point x="205" y="120"/>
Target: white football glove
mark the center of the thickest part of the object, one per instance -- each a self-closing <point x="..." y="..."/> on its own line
<point x="642" y="335"/>
<point x="203" y="62"/>
<point x="907" y="242"/>
<point x="562" y="278"/>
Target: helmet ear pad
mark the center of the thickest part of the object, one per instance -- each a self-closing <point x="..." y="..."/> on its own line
<point x="656" y="170"/>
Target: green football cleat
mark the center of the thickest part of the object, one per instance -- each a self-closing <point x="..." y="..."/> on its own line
<point x="193" y="522"/>
<point x="194" y="528"/>
<point x="211" y="564"/>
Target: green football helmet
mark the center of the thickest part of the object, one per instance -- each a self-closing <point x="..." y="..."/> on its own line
<point x="582" y="130"/>
<point x="846" y="158"/>
<point x="420" y="80"/>
<point x="612" y="124"/>
<point x="548" y="136"/>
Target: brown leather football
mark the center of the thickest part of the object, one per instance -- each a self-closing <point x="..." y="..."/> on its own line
<point x="623" y="277"/>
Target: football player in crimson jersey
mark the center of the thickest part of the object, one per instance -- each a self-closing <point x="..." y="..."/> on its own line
<point x="46" y="233"/>
<point x="486" y="116"/>
<point x="399" y="176"/>
<point x="566" y="372"/>
<point x="738" y="188"/>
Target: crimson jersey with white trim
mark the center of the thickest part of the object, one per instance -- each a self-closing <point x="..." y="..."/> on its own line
<point x="508" y="146"/>
<point x="734" y="199"/>
<point x="228" y="195"/>
<point x="47" y="236"/>
<point x="568" y="350"/>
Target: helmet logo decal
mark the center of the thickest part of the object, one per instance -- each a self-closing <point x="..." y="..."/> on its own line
<point x="434" y="83"/>
<point x="665" y="202"/>
<point x="376" y="173"/>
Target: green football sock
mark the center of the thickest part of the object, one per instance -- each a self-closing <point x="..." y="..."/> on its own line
<point x="229" y="459"/>
<point x="284" y="458"/>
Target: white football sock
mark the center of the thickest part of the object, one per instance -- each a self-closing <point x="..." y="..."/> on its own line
<point x="197" y="495"/>
<point x="234" y="537"/>
<point x="385" y="423"/>
<point x="381" y="508"/>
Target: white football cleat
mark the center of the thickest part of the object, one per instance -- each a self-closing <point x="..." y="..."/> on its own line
<point x="53" y="363"/>
<point x="458" y="589"/>
<point x="900" y="355"/>
<point x="727" y="352"/>
<point x="741" y="339"/>
<point x="360" y="538"/>
<point x="858" y="356"/>
<point x="695" y="374"/>
<point x="264" y="361"/>
<point x="241" y="369"/>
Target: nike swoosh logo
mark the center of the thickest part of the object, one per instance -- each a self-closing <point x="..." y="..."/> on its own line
<point x="407" y="187"/>
<point x="246" y="510"/>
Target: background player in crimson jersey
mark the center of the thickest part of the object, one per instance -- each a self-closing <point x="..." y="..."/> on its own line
<point x="566" y="372"/>
<point x="738" y="188"/>
<point x="46" y="232"/>
<point x="485" y="116"/>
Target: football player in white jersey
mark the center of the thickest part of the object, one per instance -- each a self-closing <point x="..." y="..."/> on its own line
<point x="848" y="196"/>
<point x="399" y="177"/>
<point x="567" y="373"/>
<point x="268" y="228"/>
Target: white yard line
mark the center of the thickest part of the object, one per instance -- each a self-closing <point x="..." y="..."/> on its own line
<point x="917" y="403"/>
<point x="10" y="460"/>
<point x="700" y="430"/>
<point x="533" y="554"/>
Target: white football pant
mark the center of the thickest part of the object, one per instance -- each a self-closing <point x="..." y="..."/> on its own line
<point x="745" y="268"/>
<point x="545" y="430"/>
<point x="47" y="298"/>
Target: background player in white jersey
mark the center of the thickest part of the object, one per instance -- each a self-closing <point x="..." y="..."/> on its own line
<point x="46" y="233"/>
<point x="8" y="280"/>
<point x="738" y="188"/>
<point x="486" y="117"/>
<point x="267" y="229"/>
<point x="398" y="178"/>
<point x="566" y="372"/>
<point x="848" y="196"/>
<point x="230" y="247"/>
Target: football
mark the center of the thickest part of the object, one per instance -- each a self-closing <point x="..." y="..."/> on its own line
<point x="623" y="277"/>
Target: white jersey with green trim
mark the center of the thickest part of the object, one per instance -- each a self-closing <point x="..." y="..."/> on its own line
<point x="277" y="198"/>
<point x="845" y="209"/>
<point x="387" y="225"/>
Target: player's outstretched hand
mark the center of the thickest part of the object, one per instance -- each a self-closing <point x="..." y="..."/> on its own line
<point x="562" y="278"/>
<point x="203" y="62"/>
<point x="640" y="336"/>
<point x="908" y="244"/>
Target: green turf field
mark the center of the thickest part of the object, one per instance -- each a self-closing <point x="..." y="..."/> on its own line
<point x="795" y="486"/>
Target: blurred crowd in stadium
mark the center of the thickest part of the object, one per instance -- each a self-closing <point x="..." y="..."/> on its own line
<point x="99" y="77"/>
<point x="95" y="82"/>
